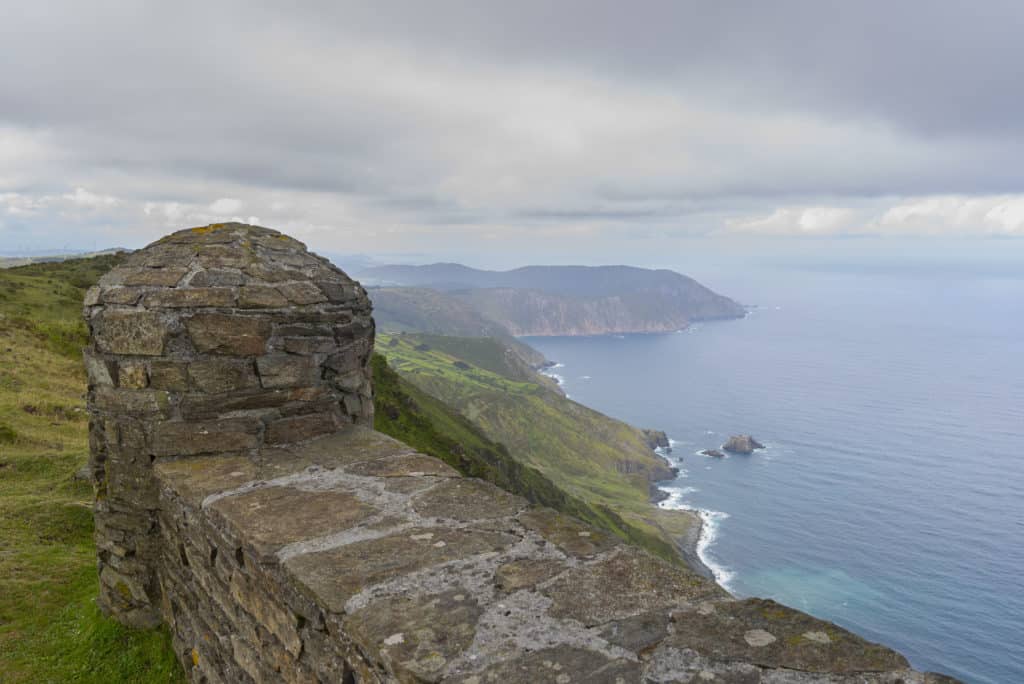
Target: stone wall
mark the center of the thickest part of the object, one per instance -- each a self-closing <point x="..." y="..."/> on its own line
<point x="221" y="339"/>
<point x="243" y="499"/>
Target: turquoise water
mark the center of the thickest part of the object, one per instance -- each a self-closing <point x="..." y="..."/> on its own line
<point x="890" y="498"/>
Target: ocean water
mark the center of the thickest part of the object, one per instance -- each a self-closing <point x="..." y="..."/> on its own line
<point x="890" y="499"/>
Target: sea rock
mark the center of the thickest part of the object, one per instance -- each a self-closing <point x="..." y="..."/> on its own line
<point x="712" y="452"/>
<point x="742" y="444"/>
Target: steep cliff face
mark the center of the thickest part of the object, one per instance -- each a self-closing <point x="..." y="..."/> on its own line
<point x="533" y="312"/>
<point x="548" y="300"/>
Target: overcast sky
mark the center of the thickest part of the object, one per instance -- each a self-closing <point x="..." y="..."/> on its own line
<point x="428" y="128"/>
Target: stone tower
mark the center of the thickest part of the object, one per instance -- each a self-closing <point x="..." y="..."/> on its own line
<point x="219" y="339"/>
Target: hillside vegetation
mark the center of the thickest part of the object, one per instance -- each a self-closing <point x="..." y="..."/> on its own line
<point x="602" y="462"/>
<point x="50" y="628"/>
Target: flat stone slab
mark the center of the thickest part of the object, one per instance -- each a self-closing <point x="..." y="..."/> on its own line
<point x="527" y="573"/>
<point x="434" y="577"/>
<point x="568" y="534"/>
<point x="417" y="636"/>
<point x="768" y="634"/>
<point x="270" y="517"/>
<point x="337" y="575"/>
<point x="559" y="665"/>
<point x="345" y="447"/>
<point x="625" y="584"/>
<point x="194" y="479"/>
<point x="403" y="465"/>
<point x="467" y="500"/>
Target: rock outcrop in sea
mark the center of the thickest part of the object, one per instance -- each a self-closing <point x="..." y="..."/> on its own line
<point x="742" y="444"/>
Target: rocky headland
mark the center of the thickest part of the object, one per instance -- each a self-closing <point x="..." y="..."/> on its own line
<point x="548" y="300"/>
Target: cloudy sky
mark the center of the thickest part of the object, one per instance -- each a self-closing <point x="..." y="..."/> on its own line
<point x="427" y="128"/>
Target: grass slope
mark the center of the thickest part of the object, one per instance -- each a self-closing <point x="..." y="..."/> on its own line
<point x="601" y="462"/>
<point x="50" y="628"/>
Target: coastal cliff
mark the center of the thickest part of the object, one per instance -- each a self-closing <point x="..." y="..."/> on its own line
<point x="545" y="300"/>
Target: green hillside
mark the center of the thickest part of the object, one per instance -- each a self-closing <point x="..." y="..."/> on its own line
<point x="602" y="462"/>
<point x="50" y="628"/>
<point x="559" y="454"/>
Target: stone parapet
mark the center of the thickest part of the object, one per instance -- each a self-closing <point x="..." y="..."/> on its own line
<point x="218" y="339"/>
<point x="352" y="558"/>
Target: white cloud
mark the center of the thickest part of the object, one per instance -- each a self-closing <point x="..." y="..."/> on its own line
<point x="956" y="214"/>
<point x="929" y="216"/>
<point x="84" y="198"/>
<point x="796" y="221"/>
<point x="226" y="205"/>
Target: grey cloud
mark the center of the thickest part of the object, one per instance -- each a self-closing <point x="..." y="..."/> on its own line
<point x="394" y="117"/>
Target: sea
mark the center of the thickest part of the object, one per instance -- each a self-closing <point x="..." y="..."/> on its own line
<point x="890" y="497"/>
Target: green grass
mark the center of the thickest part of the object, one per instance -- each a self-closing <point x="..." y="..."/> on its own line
<point x="50" y="628"/>
<point x="599" y="462"/>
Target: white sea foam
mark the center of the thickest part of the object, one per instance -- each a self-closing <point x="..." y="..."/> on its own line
<point x="584" y="377"/>
<point x="550" y="373"/>
<point x="711" y="521"/>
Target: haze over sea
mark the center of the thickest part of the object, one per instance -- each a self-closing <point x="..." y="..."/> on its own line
<point x="890" y="499"/>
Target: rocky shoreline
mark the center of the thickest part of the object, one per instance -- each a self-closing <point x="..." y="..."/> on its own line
<point x="687" y="545"/>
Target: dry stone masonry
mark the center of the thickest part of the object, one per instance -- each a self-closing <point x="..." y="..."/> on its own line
<point x="221" y="339"/>
<point x="244" y="500"/>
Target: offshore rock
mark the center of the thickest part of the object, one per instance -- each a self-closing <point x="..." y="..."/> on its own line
<point x="742" y="444"/>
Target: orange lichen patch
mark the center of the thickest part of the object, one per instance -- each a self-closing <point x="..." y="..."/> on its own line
<point x="202" y="230"/>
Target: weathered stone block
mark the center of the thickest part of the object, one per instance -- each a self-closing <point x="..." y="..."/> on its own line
<point x="219" y="333"/>
<point x="97" y="369"/>
<point x="275" y="516"/>
<point x="221" y="375"/>
<point x="467" y="500"/>
<point x="302" y="292"/>
<point x="206" y="406"/>
<point x="216" y="277"/>
<point x="350" y="382"/>
<point x="338" y="574"/>
<point x="122" y="295"/>
<point x="132" y="402"/>
<point x="287" y="370"/>
<point x="299" y="428"/>
<point x="193" y="297"/>
<point x="434" y="629"/>
<point x="309" y="345"/>
<point x="281" y="622"/>
<point x="158" y="277"/>
<point x="168" y="375"/>
<point x="340" y="293"/>
<point x="260" y="297"/>
<point x="188" y="439"/>
<point x="132" y="375"/>
<point x="139" y="333"/>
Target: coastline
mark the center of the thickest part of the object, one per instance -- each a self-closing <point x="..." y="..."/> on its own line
<point x="689" y="544"/>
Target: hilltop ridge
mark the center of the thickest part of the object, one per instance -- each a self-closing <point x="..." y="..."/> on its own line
<point x="551" y="300"/>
